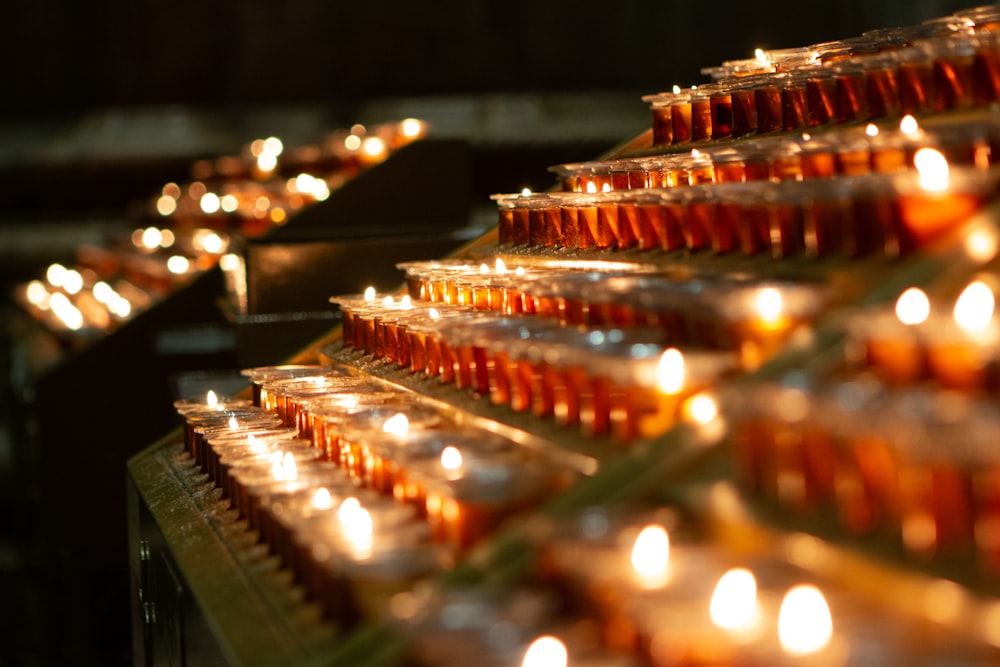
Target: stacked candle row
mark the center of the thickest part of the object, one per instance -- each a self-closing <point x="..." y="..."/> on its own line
<point x="836" y="83"/>
<point x="915" y="468"/>
<point x="718" y="312"/>
<point x="877" y="215"/>
<point x="629" y="383"/>
<point x="969" y="140"/>
<point x="617" y="587"/>
<point x="358" y="489"/>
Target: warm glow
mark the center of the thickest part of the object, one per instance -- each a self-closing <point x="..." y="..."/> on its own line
<point x="56" y="274"/>
<point x="676" y="89"/>
<point x="398" y="424"/>
<point x="278" y="215"/>
<point x="670" y="372"/>
<point x="289" y="470"/>
<point x="151" y="237"/>
<point x="103" y="292"/>
<point x="981" y="244"/>
<point x="932" y="169"/>
<point x="606" y="187"/>
<point x="36" y="293"/>
<point x="871" y="130"/>
<point x="501" y="266"/>
<point x="210" y="203"/>
<point x="406" y="302"/>
<point x="229" y="262"/>
<point x="591" y="187"/>
<point x="908" y="125"/>
<point x="433" y="313"/>
<point x="166" y="205"/>
<point x="196" y="190"/>
<point x="356" y="526"/>
<point x="66" y="311"/>
<point x="234" y="424"/>
<point x="273" y="146"/>
<point x="229" y="203"/>
<point x="369" y="293"/>
<point x="211" y="399"/>
<point x="651" y="555"/>
<point x="734" y="602"/>
<point x="760" y="56"/>
<point x="72" y="281"/>
<point x="167" y="238"/>
<point x="546" y="651"/>
<point x="484" y="269"/>
<point x="974" y="307"/>
<point x="387" y="301"/>
<point x="913" y="306"/>
<point x="178" y="264"/>
<point x="451" y="458"/>
<point x="525" y="192"/>
<point x="519" y="271"/>
<point x="769" y="305"/>
<point x="212" y="243"/>
<point x="262" y="203"/>
<point x="120" y="306"/>
<point x="322" y="500"/>
<point x="701" y="409"/>
<point x="804" y="622"/>
<point x="256" y="147"/>
<point x="411" y="127"/>
<point x="352" y="142"/>
<point x="171" y="190"/>
<point x="266" y="162"/>
<point x="373" y="147"/>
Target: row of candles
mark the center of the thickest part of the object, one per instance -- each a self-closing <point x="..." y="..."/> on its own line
<point x="358" y="489"/>
<point x="617" y="354"/>
<point x="881" y="215"/>
<point x="108" y="286"/>
<point x="968" y="141"/>
<point x="940" y="66"/>
<point x="267" y="182"/>
<point x="631" y="586"/>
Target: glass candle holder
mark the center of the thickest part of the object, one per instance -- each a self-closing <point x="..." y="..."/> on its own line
<point x="762" y="316"/>
<point x="952" y="67"/>
<point x="915" y="70"/>
<point x="196" y="423"/>
<point x="261" y="374"/>
<point x="821" y="96"/>
<point x="362" y="432"/>
<point x="251" y="476"/>
<point x="471" y="494"/>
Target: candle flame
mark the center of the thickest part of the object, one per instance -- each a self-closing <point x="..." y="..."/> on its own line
<point x="411" y="127"/>
<point x="356" y="527"/>
<point x="546" y="651"/>
<point x="406" y="302"/>
<point x="676" y="89"/>
<point x="211" y="400"/>
<point x="591" y="187"/>
<point x="519" y="271"/>
<point x="526" y="192"/>
<point x="981" y="244"/>
<point x="484" y="269"/>
<point x="398" y="424"/>
<point x="734" y="602"/>
<point x="701" y="409"/>
<point x="805" y="624"/>
<point x="913" y="306"/>
<point x="369" y="293"/>
<point x="233" y="423"/>
<point x="387" y="301"/>
<point x="451" y="458"/>
<point x="769" y="305"/>
<point x="501" y="266"/>
<point x="974" y="307"/>
<point x="651" y="555"/>
<point x="606" y="187"/>
<point x="761" y="57"/>
<point x="908" y="125"/>
<point x="871" y="130"/>
<point x="322" y="500"/>
<point x="932" y="169"/>
<point x="289" y="470"/>
<point x="670" y="372"/>
<point x="433" y="313"/>
<point x="373" y="146"/>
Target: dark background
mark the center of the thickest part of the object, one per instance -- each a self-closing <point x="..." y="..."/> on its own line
<point x="103" y="101"/>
